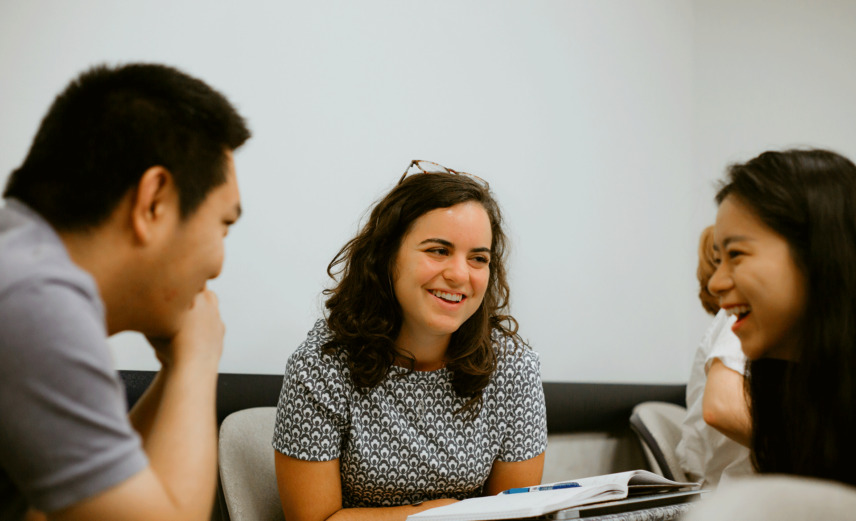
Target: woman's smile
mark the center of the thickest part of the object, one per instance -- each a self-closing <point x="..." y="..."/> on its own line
<point x="446" y="296"/>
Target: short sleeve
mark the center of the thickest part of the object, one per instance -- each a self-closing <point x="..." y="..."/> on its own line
<point x="65" y="435"/>
<point x="312" y="413"/>
<point x="526" y="424"/>
<point x="726" y="347"/>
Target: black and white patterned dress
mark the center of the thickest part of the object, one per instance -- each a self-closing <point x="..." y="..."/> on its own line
<point x="401" y="442"/>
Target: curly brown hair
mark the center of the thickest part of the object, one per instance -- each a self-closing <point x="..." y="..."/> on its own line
<point x="364" y="314"/>
<point x="705" y="270"/>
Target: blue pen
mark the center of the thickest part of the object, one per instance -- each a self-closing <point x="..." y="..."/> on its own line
<point x="568" y="484"/>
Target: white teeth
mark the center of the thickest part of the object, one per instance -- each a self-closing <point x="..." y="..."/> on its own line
<point x="452" y="297"/>
<point x="738" y="310"/>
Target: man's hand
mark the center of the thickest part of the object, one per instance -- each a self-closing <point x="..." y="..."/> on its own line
<point x="200" y="337"/>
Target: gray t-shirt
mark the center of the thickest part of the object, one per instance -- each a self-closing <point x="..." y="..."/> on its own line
<point x="401" y="442"/>
<point x="64" y="432"/>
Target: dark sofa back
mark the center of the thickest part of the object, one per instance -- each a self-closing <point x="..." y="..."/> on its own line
<point x="571" y="407"/>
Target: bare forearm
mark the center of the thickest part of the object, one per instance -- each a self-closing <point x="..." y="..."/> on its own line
<point x="311" y="491"/>
<point x="386" y="513"/>
<point x="730" y="426"/>
<point x="724" y="404"/>
<point x="176" y="417"/>
<point x="144" y="412"/>
<point x="512" y="474"/>
<point x="181" y="442"/>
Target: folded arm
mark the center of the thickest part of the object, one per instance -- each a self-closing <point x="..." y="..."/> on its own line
<point x="176" y="419"/>
<point x="312" y="491"/>
<point x="724" y="404"/>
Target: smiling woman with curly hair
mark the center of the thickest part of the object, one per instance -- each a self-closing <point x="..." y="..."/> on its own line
<point x="416" y="390"/>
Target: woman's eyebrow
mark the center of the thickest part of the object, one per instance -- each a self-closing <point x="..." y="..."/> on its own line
<point x="736" y="238"/>
<point x="448" y="244"/>
<point x="729" y="240"/>
<point x="444" y="242"/>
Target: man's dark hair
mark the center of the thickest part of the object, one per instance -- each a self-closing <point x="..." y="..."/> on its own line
<point x="109" y="126"/>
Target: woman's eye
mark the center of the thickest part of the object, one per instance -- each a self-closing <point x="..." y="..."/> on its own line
<point x="482" y="259"/>
<point x="734" y="254"/>
<point x="439" y="251"/>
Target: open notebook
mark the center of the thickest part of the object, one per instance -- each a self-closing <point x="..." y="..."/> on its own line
<point x="596" y="489"/>
<point x="674" y="500"/>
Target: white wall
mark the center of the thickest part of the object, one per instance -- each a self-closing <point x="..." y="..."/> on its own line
<point x="771" y="76"/>
<point x="599" y="124"/>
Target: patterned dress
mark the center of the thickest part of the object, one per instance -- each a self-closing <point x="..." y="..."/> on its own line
<point x="401" y="442"/>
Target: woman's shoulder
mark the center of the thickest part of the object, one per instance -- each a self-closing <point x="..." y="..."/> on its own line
<point x="511" y="350"/>
<point x="518" y="368"/>
<point x="311" y="351"/>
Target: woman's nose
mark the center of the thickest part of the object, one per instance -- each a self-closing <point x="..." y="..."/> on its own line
<point x="719" y="282"/>
<point x="456" y="269"/>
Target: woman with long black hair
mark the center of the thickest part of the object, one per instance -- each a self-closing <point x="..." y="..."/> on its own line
<point x="785" y="237"/>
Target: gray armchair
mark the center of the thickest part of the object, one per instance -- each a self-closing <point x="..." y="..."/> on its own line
<point x="247" y="473"/>
<point x="658" y="427"/>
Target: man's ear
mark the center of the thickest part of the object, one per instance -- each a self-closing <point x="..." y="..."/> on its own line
<point x="152" y="202"/>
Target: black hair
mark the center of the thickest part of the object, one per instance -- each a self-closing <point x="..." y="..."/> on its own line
<point x="109" y="126"/>
<point x="804" y="412"/>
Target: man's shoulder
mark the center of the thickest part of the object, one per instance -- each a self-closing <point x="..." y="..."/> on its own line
<point x="32" y="254"/>
<point x="47" y="303"/>
<point x="56" y="366"/>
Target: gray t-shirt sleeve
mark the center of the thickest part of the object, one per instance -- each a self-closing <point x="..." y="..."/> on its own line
<point x="65" y="435"/>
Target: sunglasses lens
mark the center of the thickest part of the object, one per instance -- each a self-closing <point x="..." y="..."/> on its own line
<point x="429" y="167"/>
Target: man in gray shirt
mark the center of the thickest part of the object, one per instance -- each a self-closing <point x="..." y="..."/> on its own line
<point x="115" y="222"/>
